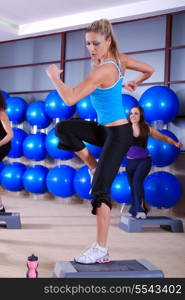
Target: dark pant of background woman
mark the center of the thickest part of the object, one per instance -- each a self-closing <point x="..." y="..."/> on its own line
<point x="137" y="169"/>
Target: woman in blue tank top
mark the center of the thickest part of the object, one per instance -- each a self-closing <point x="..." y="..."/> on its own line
<point x="112" y="130"/>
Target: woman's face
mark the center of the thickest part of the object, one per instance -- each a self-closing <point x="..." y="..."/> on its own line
<point x="97" y="46"/>
<point x="134" y="115"/>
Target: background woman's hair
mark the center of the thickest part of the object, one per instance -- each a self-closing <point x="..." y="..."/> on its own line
<point x="104" y="27"/>
<point x="143" y="126"/>
<point x="2" y="102"/>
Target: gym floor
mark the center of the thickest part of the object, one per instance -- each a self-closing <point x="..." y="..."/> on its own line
<point x="59" y="229"/>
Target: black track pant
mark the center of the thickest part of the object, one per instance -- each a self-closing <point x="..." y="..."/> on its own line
<point x="137" y="169"/>
<point x="4" y="150"/>
<point x="115" y="140"/>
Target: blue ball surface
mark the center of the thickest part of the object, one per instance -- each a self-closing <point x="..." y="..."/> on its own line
<point x="60" y="181"/>
<point x="159" y="103"/>
<point x="162" y="189"/>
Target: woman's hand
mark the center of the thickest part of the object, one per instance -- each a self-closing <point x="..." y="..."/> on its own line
<point x="53" y="71"/>
<point x="131" y="86"/>
<point x="178" y="145"/>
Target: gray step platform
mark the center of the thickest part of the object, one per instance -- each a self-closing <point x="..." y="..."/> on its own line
<point x="12" y="220"/>
<point x="139" y="268"/>
<point x="131" y="224"/>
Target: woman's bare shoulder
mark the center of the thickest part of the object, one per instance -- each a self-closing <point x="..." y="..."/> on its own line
<point x="3" y="114"/>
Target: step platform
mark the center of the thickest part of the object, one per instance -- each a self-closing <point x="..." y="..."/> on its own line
<point x="12" y="220"/>
<point x="131" y="224"/>
<point x="139" y="268"/>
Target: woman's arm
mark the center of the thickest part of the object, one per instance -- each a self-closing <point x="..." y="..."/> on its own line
<point x="146" y="70"/>
<point x="73" y="95"/>
<point x="6" y="124"/>
<point x="159" y="136"/>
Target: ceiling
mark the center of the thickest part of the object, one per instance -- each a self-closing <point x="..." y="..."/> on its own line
<point x="24" y="18"/>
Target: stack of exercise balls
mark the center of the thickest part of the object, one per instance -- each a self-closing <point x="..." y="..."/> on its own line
<point x="39" y="143"/>
<point x="12" y="173"/>
<point x="161" y="105"/>
<point x="35" y="145"/>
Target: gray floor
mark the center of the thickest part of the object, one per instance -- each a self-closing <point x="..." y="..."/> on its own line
<point x="58" y="230"/>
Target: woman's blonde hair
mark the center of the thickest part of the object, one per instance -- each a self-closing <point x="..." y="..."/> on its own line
<point x="104" y="27"/>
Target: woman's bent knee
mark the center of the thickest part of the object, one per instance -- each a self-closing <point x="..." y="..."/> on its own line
<point x="61" y="128"/>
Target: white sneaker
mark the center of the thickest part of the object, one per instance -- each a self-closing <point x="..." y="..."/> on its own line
<point x="129" y="215"/>
<point x="92" y="255"/>
<point x="141" y="215"/>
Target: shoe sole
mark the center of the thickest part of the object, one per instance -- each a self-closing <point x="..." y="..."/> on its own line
<point x="103" y="260"/>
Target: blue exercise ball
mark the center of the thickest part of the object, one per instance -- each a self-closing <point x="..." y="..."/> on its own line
<point x="94" y="150"/>
<point x="16" y="109"/>
<point x="34" y="179"/>
<point x="60" y="181"/>
<point x="51" y="146"/>
<point x="11" y="176"/>
<point x="159" y="103"/>
<point x="55" y="107"/>
<point x="162" y="189"/>
<point x="85" y="109"/>
<point x="16" y="150"/>
<point x="120" y="189"/>
<point x="34" y="146"/>
<point x="36" y="115"/>
<point x="5" y="94"/>
<point x="128" y="102"/>
<point x="82" y="183"/>
<point x="162" y="153"/>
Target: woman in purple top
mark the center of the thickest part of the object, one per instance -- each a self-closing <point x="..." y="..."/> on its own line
<point x="139" y="162"/>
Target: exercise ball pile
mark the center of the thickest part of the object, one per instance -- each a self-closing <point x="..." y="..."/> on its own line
<point x="36" y="146"/>
<point x="162" y="189"/>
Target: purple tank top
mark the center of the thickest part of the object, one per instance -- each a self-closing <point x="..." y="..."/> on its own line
<point x="137" y="152"/>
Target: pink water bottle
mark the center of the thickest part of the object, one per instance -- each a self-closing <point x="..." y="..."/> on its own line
<point x="32" y="264"/>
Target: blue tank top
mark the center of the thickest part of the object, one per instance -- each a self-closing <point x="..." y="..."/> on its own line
<point x="107" y="102"/>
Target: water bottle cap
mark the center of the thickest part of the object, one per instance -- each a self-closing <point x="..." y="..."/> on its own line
<point x="32" y="258"/>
